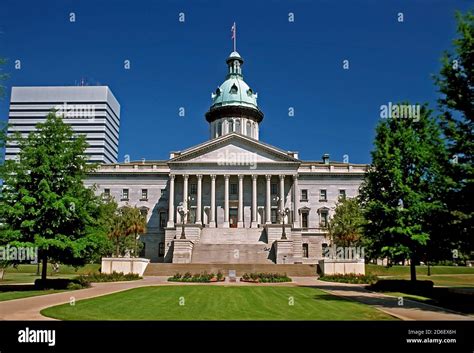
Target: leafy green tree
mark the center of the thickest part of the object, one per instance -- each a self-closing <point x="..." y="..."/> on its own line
<point x="402" y="187"/>
<point x="456" y="85"/>
<point x="347" y="225"/>
<point x="44" y="202"/>
<point x="135" y="224"/>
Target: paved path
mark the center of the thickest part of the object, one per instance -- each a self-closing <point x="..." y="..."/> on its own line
<point x="29" y="308"/>
<point x="410" y="310"/>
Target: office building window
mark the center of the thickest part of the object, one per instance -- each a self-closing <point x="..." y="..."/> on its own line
<point x="304" y="195"/>
<point x="323" y="195"/>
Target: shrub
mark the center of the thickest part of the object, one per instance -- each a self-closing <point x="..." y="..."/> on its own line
<point x="220" y="276"/>
<point x="350" y="278"/>
<point x="197" y="277"/>
<point x="404" y="286"/>
<point x="62" y="283"/>
<point x="111" y="277"/>
<point x="265" y="277"/>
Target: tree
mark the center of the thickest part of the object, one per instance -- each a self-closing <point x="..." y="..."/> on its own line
<point x="346" y="227"/>
<point x="402" y="187"/>
<point x="135" y="224"/>
<point x="44" y="202"/>
<point x="456" y="85"/>
<point x="126" y="223"/>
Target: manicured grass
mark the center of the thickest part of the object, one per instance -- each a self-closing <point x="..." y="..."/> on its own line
<point x="10" y="295"/>
<point x="217" y="303"/>
<point x="418" y="298"/>
<point x="420" y="270"/>
<point x="447" y="276"/>
<point x="27" y="273"/>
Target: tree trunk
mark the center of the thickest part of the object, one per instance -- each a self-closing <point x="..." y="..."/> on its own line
<point x="44" y="270"/>
<point x="412" y="268"/>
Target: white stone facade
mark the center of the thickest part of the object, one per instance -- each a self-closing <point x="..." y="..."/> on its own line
<point x="210" y="166"/>
<point x="242" y="200"/>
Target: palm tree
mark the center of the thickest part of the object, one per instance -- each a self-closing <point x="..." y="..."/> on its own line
<point x="135" y="224"/>
<point x="116" y="231"/>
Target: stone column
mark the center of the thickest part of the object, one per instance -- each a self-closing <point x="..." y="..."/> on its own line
<point x="171" y="203"/>
<point x="212" y="222"/>
<point x="282" y="194"/>
<point x="226" y="202"/>
<point x="185" y="194"/>
<point x="296" y="202"/>
<point x="268" y="204"/>
<point x="240" y="220"/>
<point x="254" y="201"/>
<point x="199" y="201"/>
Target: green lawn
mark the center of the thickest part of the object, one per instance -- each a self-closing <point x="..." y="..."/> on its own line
<point x="10" y="295"/>
<point x="420" y="270"/>
<point x="217" y="303"/>
<point x="27" y="273"/>
<point x="446" y="276"/>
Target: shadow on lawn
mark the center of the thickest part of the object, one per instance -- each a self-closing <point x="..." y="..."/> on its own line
<point x="443" y="300"/>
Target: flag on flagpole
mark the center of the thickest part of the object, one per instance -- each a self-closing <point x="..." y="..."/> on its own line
<point x="234" y="35"/>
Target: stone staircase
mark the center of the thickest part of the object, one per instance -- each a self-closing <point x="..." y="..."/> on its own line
<point x="232" y="236"/>
<point x="168" y="269"/>
<point x="232" y="254"/>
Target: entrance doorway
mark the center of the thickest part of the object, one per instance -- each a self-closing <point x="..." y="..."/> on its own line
<point x="233" y="218"/>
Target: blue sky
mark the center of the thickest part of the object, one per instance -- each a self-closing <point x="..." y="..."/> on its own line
<point x="290" y="64"/>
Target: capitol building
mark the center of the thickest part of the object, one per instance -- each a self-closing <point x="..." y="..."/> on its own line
<point x="233" y="198"/>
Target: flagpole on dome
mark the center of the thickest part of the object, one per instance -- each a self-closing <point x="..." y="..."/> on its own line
<point x="234" y="35"/>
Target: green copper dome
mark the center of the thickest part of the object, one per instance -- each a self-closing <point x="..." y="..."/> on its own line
<point x="234" y="91"/>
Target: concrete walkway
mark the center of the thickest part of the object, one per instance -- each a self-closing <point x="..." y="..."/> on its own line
<point x="29" y="308"/>
<point x="410" y="310"/>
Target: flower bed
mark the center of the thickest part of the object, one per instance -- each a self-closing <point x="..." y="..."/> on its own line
<point x="350" y="278"/>
<point x="197" y="277"/>
<point x="265" y="277"/>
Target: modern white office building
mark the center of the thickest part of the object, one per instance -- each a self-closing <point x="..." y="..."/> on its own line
<point x="90" y="110"/>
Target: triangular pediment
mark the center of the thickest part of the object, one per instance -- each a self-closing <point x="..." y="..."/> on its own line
<point x="233" y="148"/>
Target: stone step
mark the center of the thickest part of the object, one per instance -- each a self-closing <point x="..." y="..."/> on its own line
<point x="168" y="269"/>
<point x="259" y="253"/>
<point x="232" y="236"/>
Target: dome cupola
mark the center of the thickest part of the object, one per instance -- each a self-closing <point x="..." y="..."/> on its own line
<point x="234" y="104"/>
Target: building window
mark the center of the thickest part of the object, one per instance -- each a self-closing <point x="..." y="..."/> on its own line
<point x="274" y="216"/>
<point x="233" y="189"/>
<point x="249" y="129"/>
<point x="324" y="219"/>
<point x="342" y="194"/>
<point x="323" y="195"/>
<point x="144" y="195"/>
<point x="219" y="129"/>
<point x="237" y="126"/>
<point x="193" y="189"/>
<point x="124" y="194"/>
<point x="144" y="212"/>
<point x="274" y="189"/>
<point x="305" y="250"/>
<point x="304" y="195"/>
<point x="106" y="194"/>
<point x="233" y="89"/>
<point x="304" y="220"/>
<point x="163" y="220"/>
<point x="161" y="249"/>
<point x="231" y="125"/>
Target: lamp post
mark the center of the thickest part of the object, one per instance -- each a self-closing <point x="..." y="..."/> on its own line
<point x="283" y="213"/>
<point x="183" y="211"/>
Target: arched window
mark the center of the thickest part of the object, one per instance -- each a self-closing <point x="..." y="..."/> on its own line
<point x="219" y="129"/>
<point x="237" y="126"/>
<point x="233" y="89"/>
<point x="231" y="125"/>
<point x="249" y="129"/>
